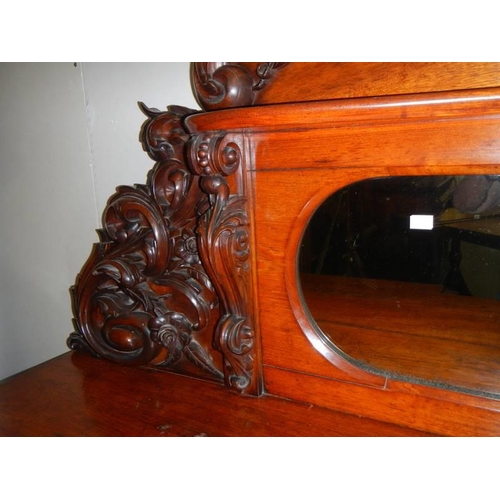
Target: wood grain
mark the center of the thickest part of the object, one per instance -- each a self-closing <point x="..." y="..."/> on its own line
<point x="301" y="154"/>
<point x="427" y="409"/>
<point x="319" y="80"/>
<point x="263" y="171"/>
<point x="77" y="395"/>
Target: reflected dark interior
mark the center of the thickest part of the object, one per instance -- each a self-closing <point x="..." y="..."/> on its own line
<point x="364" y="250"/>
<point x="364" y="231"/>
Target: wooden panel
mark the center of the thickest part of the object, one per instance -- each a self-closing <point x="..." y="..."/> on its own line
<point x="394" y="110"/>
<point x="463" y="417"/>
<point x="76" y="395"/>
<point x="320" y="80"/>
<point x="279" y="229"/>
<point x="295" y="171"/>
<point x="449" y="143"/>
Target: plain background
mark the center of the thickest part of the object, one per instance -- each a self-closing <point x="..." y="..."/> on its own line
<point x="69" y="135"/>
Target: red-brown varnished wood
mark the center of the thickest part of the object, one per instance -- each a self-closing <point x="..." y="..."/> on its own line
<point x="197" y="271"/>
<point x="319" y="80"/>
<point x="299" y="155"/>
<point x="418" y="407"/>
<point x="410" y="329"/>
<point x="389" y="110"/>
<point x="77" y="395"/>
<point x="242" y="84"/>
<point x="290" y="340"/>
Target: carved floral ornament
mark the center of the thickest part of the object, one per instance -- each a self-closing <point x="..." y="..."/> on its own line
<point x="167" y="284"/>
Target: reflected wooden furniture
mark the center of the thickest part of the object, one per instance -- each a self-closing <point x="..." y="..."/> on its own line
<point x="196" y="271"/>
<point x="411" y="329"/>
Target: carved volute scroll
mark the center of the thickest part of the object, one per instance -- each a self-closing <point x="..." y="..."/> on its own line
<point x="220" y="85"/>
<point x="224" y="246"/>
<point x="143" y="297"/>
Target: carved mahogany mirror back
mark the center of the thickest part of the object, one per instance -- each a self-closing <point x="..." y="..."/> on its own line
<point x="213" y="267"/>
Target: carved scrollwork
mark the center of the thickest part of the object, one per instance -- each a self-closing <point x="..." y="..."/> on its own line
<point x="228" y="85"/>
<point x="212" y="154"/>
<point x="224" y="246"/>
<point x="143" y="296"/>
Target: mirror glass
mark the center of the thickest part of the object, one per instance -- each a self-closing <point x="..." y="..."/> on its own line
<point x="402" y="276"/>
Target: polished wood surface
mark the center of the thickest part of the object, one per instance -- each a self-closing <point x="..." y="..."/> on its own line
<point x="77" y="395"/>
<point x="410" y="329"/>
<point x="196" y="270"/>
<point x="299" y="154"/>
<point x="143" y="296"/>
<point x="320" y="81"/>
<point x="242" y="84"/>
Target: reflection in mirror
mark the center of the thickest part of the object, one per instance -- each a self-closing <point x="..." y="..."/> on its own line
<point x="402" y="275"/>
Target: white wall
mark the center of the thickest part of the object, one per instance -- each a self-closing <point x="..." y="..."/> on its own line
<point x="68" y="136"/>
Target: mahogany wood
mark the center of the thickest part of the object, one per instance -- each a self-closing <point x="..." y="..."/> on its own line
<point x="170" y="282"/>
<point x="320" y="81"/>
<point x="196" y="270"/>
<point x="240" y="84"/>
<point x="228" y="85"/>
<point x="75" y="395"/>
<point x="410" y="329"/>
<point x="302" y="153"/>
<point x="143" y="296"/>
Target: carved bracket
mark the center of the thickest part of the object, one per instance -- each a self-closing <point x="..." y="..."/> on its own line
<point x="169" y="282"/>
<point x="144" y="296"/>
<point x="224" y="245"/>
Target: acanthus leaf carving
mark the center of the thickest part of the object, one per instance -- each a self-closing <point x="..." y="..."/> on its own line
<point x="143" y="296"/>
<point x="224" y="246"/>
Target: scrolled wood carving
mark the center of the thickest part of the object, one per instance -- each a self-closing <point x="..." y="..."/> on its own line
<point x="219" y="85"/>
<point x="224" y="245"/>
<point x="144" y="297"/>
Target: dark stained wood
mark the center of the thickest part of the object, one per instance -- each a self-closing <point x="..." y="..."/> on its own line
<point x="224" y="243"/>
<point x="143" y="296"/>
<point x="228" y="85"/>
<point x="170" y="282"/>
<point x="76" y="395"/>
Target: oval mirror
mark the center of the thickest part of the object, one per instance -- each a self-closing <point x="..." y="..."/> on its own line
<point x="402" y="275"/>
